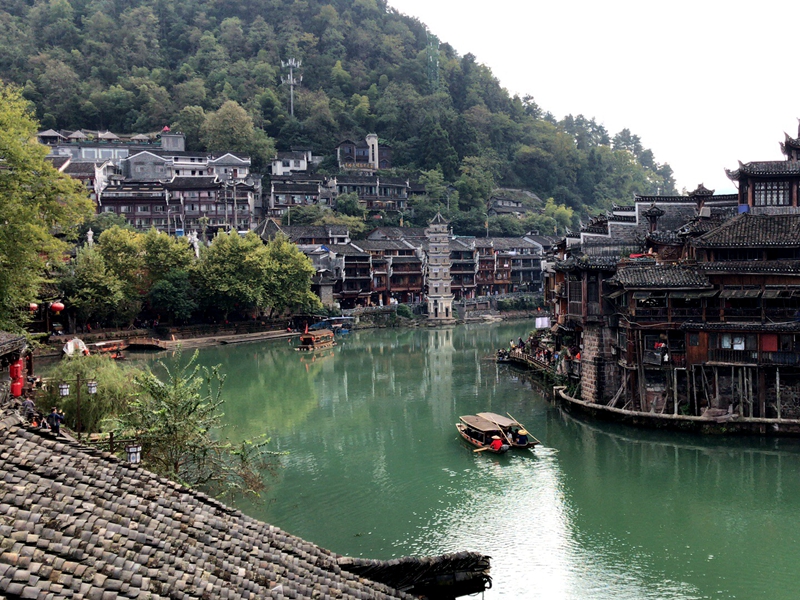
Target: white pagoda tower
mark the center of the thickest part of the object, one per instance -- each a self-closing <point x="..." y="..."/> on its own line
<point x="440" y="298"/>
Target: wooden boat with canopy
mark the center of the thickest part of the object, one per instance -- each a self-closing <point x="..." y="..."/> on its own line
<point x="316" y="340"/>
<point x="513" y="432"/>
<point x="480" y="432"/>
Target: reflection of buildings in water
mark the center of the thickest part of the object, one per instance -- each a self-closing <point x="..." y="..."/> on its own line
<point x="438" y="375"/>
<point x="663" y="470"/>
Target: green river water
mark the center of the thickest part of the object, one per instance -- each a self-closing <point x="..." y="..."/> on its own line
<point x="374" y="468"/>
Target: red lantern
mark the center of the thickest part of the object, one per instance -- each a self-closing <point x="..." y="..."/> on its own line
<point x="56" y="307"/>
<point x="34" y="307"/>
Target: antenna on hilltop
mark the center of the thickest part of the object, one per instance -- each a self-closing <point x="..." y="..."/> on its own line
<point x="291" y="64"/>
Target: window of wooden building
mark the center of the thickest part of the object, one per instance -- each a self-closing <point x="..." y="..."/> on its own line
<point x="771" y="193"/>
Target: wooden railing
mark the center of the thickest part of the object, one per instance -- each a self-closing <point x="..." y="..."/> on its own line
<point x="781" y="358"/>
<point x="733" y="356"/>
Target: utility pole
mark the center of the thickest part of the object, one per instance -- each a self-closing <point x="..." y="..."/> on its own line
<point x="291" y="80"/>
<point x="235" y="209"/>
<point x="225" y="196"/>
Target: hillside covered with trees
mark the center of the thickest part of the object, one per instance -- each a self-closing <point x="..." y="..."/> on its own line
<point x="138" y="65"/>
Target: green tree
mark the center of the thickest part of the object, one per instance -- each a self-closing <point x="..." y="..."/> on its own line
<point x="92" y="291"/>
<point x="561" y="214"/>
<point x="174" y="296"/>
<point x="99" y="222"/>
<point x="475" y="185"/>
<point x="163" y="255"/>
<point x="231" y="273"/>
<point x="288" y="278"/>
<point x="231" y="129"/>
<point x="305" y="215"/>
<point x="348" y="204"/>
<point x="36" y="201"/>
<point x="123" y="255"/>
<point x="177" y="417"/>
<point x="191" y="120"/>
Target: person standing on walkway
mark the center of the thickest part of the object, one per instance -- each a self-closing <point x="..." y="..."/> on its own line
<point x="28" y="409"/>
<point x="54" y="420"/>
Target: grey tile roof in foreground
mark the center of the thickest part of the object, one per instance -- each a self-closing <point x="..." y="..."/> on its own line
<point x="78" y="523"/>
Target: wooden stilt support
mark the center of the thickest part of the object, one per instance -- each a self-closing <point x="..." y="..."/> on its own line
<point x="733" y="394"/>
<point x="716" y="387"/>
<point x="622" y="388"/>
<point x="706" y="384"/>
<point x="742" y="392"/>
<point x="778" y="390"/>
<point x="674" y="391"/>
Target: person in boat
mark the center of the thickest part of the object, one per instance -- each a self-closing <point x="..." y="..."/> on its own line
<point x="496" y="444"/>
<point x="521" y="437"/>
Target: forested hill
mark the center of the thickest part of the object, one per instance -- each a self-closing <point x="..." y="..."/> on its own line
<point x="140" y="64"/>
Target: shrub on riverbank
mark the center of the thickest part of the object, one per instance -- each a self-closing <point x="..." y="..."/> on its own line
<point x="519" y="303"/>
<point x="113" y="390"/>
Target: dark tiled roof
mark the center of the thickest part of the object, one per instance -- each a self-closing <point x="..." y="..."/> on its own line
<point x="347" y="250"/>
<point x="383" y="245"/>
<point x="622" y="218"/>
<point x="200" y="182"/>
<point x="354" y="179"/>
<point x="788" y="267"/>
<point x="701" y="191"/>
<point x="290" y="155"/>
<point x="11" y="342"/>
<point x="80" y="168"/>
<point x="754" y="231"/>
<point x="659" y="276"/>
<point x="58" y="161"/>
<point x="309" y="188"/>
<point x="393" y="181"/>
<point x="664" y="237"/>
<point x="505" y="244"/>
<point x="143" y="186"/>
<point x="80" y="523"/>
<point x="767" y="167"/>
<point x="587" y="262"/>
<point x="701" y="225"/>
<point x="664" y="199"/>
<point x="396" y="233"/>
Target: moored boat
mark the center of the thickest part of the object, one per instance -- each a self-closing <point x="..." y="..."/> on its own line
<point x="513" y="431"/>
<point x="316" y="340"/>
<point x="480" y="432"/>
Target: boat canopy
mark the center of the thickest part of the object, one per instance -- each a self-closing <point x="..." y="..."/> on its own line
<point x="499" y="419"/>
<point x="478" y="423"/>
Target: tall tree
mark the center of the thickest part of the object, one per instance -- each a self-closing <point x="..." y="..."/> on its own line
<point x="231" y="129"/>
<point x="288" y="278"/>
<point x="35" y="202"/>
<point x="231" y="273"/>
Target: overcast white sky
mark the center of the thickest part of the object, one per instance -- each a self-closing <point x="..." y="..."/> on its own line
<point x="703" y="83"/>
